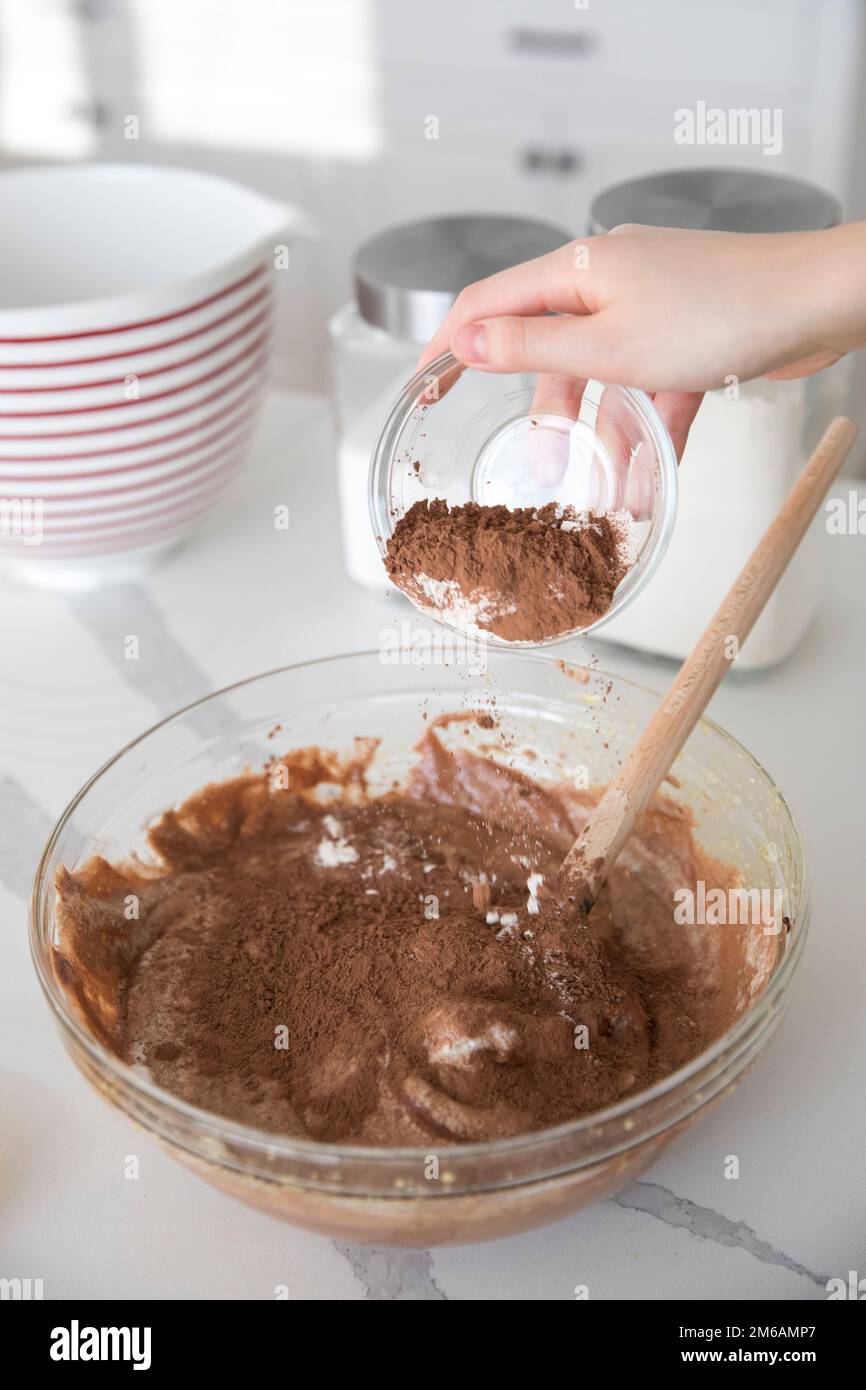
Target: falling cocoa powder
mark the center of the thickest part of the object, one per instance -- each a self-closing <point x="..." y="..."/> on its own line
<point x="524" y="575"/>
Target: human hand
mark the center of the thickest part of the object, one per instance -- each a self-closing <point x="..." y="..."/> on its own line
<point x="672" y="312"/>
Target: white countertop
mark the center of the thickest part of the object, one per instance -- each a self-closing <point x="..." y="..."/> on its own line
<point x="241" y="597"/>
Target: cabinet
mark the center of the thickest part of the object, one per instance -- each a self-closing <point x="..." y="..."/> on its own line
<point x="325" y="103"/>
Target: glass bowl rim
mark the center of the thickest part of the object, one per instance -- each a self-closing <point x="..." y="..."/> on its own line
<point x="651" y="557"/>
<point x="292" y="1147"/>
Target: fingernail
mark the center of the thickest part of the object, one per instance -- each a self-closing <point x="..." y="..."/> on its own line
<point x="470" y="343"/>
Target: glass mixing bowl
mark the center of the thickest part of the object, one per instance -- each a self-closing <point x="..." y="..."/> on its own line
<point x="521" y="440"/>
<point x="382" y="1196"/>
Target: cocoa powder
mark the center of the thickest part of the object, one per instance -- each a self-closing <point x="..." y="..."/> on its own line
<point x="524" y="575"/>
<point x="322" y="969"/>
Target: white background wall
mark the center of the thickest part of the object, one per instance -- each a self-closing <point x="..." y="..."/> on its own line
<point x="326" y="103"/>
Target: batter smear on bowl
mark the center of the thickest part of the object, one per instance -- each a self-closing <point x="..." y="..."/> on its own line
<point x="389" y="969"/>
<point x="523" y="575"/>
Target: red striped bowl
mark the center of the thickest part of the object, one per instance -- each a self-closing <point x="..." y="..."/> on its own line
<point x="127" y="402"/>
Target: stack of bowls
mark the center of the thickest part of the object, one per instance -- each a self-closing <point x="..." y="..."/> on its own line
<point x="134" y="343"/>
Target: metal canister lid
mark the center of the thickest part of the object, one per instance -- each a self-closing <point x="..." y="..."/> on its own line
<point x="407" y="278"/>
<point x="718" y="200"/>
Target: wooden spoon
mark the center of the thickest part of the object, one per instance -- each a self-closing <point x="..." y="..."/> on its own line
<point x="626" y="798"/>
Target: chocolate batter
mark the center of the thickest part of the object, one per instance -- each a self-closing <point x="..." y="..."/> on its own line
<point x="391" y="969"/>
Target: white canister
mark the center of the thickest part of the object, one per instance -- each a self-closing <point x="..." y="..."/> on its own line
<point x="748" y="443"/>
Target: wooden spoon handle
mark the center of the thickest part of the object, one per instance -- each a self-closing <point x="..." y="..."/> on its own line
<point x="628" y="796"/>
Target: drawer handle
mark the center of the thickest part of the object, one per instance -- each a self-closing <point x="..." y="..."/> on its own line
<point x="553" y="43"/>
<point x="551" y="161"/>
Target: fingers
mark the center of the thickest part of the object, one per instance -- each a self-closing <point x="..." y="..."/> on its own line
<point x="549" y="284"/>
<point x="623" y="476"/>
<point x="677" y="410"/>
<point x="549" y="450"/>
<point x="560" y="345"/>
<point x="558" y="395"/>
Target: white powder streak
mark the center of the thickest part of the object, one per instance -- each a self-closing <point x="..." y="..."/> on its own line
<point x="336" y="850"/>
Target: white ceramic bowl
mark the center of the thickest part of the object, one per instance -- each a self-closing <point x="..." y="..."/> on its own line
<point x="143" y="465"/>
<point x="78" y="357"/>
<point x="95" y="418"/>
<point x="134" y="377"/>
<point x="134" y="351"/>
<point x="104" y="247"/>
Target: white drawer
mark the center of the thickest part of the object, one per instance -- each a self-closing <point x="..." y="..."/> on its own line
<point x="554" y="169"/>
<point x="766" y="42"/>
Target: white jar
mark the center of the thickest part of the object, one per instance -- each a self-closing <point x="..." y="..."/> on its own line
<point x="748" y="443"/>
<point x="406" y="280"/>
<point x="743" y="456"/>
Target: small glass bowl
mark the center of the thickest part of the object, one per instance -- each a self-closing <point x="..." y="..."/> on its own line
<point x="525" y="440"/>
<point x="553" y="723"/>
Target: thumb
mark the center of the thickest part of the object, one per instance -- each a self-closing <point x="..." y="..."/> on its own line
<point x="565" y="344"/>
